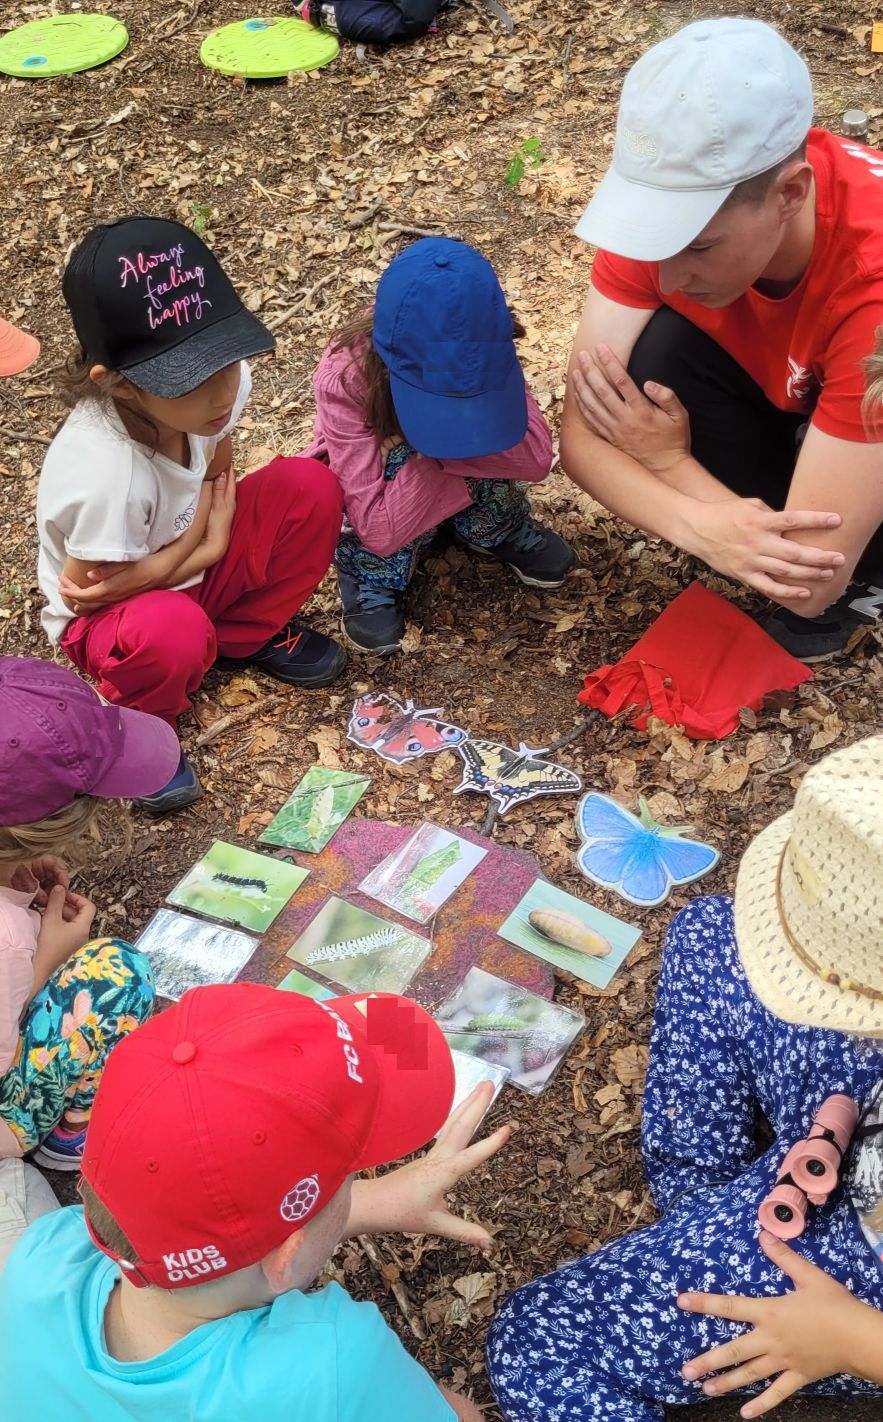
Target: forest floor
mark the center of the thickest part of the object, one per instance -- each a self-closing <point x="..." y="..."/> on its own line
<point x="306" y="188"/>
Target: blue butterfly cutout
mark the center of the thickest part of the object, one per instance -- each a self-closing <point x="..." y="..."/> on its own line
<point x="638" y="859"/>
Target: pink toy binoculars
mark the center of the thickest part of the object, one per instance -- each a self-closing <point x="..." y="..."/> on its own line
<point x="810" y="1171"/>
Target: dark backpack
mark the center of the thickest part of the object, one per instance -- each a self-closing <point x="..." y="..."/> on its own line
<point x="375" y="21"/>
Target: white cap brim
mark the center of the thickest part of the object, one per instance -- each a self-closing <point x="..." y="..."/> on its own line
<point x="648" y="224"/>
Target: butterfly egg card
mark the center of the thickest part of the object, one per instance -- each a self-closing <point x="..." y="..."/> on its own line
<point x="509" y="776"/>
<point x="238" y="886"/>
<point x="186" y="952"/>
<point x="507" y="1026"/>
<point x="634" y="855"/>
<point x="315" y="809"/>
<point x="418" y="877"/>
<point x="569" y="934"/>
<point x="358" y="950"/>
<point x="400" y="731"/>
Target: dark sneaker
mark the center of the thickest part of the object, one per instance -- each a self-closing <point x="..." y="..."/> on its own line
<point x="815" y="639"/>
<point x="182" y="790"/>
<point x="297" y="655"/>
<point x="535" y="554"/>
<point x="373" y="618"/>
<point x="62" y="1149"/>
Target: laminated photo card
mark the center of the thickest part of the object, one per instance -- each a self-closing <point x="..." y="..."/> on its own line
<point x="510" y="1027"/>
<point x="359" y="951"/>
<point x="570" y="934"/>
<point x="422" y="873"/>
<point x="238" y="886"/>
<point x="470" y="1072"/>
<point x="296" y="981"/>
<point x="187" y="952"/>
<point x="315" y="809"/>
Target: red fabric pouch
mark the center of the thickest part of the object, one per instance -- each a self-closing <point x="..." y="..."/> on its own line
<point x="696" y="666"/>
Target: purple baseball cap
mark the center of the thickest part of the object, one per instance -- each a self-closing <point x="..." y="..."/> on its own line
<point x="58" y="740"/>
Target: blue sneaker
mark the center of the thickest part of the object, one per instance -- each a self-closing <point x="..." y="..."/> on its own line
<point x="182" y="790"/>
<point x="536" y="555"/>
<point x="373" y="618"/>
<point x="297" y="655"/>
<point x="62" y="1149"/>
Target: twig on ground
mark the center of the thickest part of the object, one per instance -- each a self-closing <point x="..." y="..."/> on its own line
<point x="368" y="1247"/>
<point x="236" y="718"/>
<point x="24" y="435"/>
<point x="275" y="322"/>
<point x="409" y="231"/>
<point x="186" y="20"/>
<point x="362" y="219"/>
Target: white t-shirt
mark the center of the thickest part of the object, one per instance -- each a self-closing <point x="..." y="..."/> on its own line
<point x="104" y="497"/>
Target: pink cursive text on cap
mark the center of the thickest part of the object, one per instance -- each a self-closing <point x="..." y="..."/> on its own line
<point x="172" y="291"/>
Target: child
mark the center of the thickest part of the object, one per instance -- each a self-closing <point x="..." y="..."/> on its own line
<point x="65" y="1001"/>
<point x="432" y="368"/>
<point x="217" y="1182"/>
<point x="152" y="559"/>
<point x="24" y="1194"/>
<point x="615" y="1336"/>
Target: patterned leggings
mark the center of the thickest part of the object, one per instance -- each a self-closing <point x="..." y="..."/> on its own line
<point x="100" y="995"/>
<point x="602" y="1340"/>
<point x="499" y="507"/>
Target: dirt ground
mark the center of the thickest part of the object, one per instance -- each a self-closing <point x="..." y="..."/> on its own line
<point x="306" y="189"/>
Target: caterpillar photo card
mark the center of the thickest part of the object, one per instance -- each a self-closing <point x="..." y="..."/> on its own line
<point x="238" y="886"/>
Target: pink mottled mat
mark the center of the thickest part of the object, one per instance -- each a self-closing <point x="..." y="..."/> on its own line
<point x="463" y="933"/>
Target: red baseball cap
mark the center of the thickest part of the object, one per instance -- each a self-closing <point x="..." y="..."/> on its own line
<point x="228" y="1121"/>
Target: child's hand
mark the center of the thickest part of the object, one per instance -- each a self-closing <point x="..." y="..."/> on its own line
<point x="46" y="871"/>
<point x="67" y="923"/>
<point x="411" y="1200"/>
<point x="802" y="1336"/>
<point x="109" y="583"/>
<point x="220" y="518"/>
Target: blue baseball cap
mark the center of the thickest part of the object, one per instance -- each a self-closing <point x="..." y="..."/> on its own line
<point x="443" y="329"/>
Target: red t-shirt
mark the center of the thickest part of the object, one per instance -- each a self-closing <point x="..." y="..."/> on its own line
<point x="806" y="350"/>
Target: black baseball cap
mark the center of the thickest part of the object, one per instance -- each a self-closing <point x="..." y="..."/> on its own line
<point x="150" y="300"/>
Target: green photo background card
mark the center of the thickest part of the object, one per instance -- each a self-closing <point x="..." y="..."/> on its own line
<point x="315" y="809"/>
<point x="238" y="886"/>
<point x="358" y="950"/>
<point x="569" y="933"/>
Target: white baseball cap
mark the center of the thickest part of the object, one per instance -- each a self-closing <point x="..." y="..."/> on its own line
<point x="717" y="103"/>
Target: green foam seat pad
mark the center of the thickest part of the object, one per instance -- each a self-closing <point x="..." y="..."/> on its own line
<point x="267" y="48"/>
<point x="61" y="44"/>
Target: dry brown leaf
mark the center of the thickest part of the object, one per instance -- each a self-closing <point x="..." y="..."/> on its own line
<point x="729" y="778"/>
<point x="629" y="1064"/>
<point x="829" y="731"/>
<point x="473" y="1287"/>
<point x="265" y="738"/>
<point x="326" y="739"/>
<point x="239" y="691"/>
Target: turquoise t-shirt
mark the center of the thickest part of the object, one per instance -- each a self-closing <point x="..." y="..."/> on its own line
<point x="317" y="1357"/>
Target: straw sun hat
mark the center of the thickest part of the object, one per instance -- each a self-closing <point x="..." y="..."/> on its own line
<point x="809" y="898"/>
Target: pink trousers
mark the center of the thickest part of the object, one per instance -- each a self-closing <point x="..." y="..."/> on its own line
<point x="152" y="651"/>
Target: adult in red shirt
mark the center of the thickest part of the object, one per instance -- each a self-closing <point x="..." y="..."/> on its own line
<point x="716" y="381"/>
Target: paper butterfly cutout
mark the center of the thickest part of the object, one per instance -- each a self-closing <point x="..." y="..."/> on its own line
<point x="512" y="776"/>
<point x="399" y="733"/>
<point x="638" y="859"/>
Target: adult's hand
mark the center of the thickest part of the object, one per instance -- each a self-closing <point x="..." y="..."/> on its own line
<point x="795" y="1340"/>
<point x="651" y="424"/>
<point x="745" y="539"/>
<point x="411" y="1200"/>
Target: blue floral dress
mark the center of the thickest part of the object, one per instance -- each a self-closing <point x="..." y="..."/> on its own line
<point x="602" y="1340"/>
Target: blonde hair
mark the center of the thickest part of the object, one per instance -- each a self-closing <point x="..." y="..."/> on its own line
<point x="67" y="831"/>
<point x="872" y="404"/>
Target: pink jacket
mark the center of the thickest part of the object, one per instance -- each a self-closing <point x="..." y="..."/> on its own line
<point x="385" y="514"/>
<point x="19" y="926"/>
